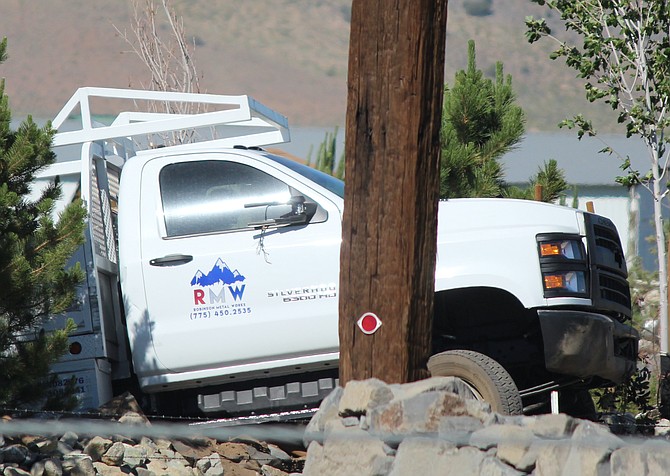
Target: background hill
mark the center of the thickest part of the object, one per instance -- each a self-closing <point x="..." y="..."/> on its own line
<point x="288" y="54"/>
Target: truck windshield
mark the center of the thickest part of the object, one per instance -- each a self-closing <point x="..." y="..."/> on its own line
<point x="326" y="181"/>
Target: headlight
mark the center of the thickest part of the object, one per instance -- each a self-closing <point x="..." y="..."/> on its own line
<point x="571" y="281"/>
<point x="569" y="249"/>
<point x="563" y="264"/>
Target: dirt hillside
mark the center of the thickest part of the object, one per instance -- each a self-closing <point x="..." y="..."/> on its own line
<point x="288" y="54"/>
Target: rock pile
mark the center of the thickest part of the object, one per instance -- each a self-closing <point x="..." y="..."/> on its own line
<point x="430" y="427"/>
<point x="71" y="454"/>
<point x="427" y="428"/>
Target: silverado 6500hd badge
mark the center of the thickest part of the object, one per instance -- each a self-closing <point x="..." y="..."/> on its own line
<point x="218" y="293"/>
<point x="306" y="293"/>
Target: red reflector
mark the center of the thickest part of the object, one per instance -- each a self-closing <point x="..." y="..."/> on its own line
<point x="369" y="323"/>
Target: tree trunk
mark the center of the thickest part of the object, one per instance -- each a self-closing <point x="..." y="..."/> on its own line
<point x="396" y="76"/>
<point x="660" y="253"/>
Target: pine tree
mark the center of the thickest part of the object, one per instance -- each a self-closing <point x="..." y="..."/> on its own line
<point x="480" y="123"/>
<point x="34" y="250"/>
<point x="553" y="184"/>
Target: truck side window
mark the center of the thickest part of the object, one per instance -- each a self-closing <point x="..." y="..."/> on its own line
<point x="210" y="196"/>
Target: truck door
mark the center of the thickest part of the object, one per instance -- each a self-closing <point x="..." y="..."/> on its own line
<point x="225" y="291"/>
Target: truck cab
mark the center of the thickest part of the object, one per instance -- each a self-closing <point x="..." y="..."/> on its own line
<point x="247" y="249"/>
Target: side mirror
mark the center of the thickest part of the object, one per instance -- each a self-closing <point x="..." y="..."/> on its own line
<point x="296" y="215"/>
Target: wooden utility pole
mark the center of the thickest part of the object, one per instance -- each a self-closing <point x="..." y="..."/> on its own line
<point x="394" y="110"/>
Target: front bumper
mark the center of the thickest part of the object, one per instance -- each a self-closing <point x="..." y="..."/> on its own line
<point x="584" y="344"/>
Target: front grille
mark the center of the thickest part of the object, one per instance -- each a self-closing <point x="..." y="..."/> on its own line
<point x="609" y="276"/>
<point x="609" y="253"/>
<point x="613" y="289"/>
<point x="606" y="237"/>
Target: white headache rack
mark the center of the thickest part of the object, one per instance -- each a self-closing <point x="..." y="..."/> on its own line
<point x="236" y="120"/>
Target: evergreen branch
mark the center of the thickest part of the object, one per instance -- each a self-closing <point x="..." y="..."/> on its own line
<point x="57" y="241"/>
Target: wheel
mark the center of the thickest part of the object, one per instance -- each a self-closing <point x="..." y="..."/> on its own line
<point x="488" y="379"/>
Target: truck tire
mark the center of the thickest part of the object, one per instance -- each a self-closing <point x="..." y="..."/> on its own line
<point x="488" y="379"/>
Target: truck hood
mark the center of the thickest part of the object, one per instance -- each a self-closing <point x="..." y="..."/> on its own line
<point x="492" y="243"/>
<point x="475" y="215"/>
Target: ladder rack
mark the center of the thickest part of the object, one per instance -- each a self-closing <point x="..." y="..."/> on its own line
<point x="234" y="120"/>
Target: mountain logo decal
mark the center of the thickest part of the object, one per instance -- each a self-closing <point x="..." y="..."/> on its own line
<point x="220" y="273"/>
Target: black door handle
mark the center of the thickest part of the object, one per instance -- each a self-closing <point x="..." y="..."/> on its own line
<point x="171" y="260"/>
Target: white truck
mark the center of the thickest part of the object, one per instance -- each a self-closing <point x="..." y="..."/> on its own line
<point x="212" y="273"/>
